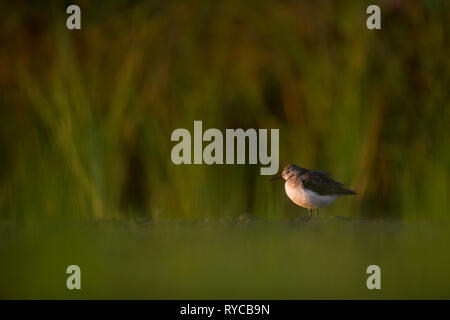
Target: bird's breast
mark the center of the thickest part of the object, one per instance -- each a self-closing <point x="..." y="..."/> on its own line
<point x="307" y="198"/>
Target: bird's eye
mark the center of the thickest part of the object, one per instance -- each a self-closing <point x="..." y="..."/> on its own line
<point x="288" y="171"/>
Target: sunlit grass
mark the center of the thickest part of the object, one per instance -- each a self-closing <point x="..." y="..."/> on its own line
<point x="86" y="123"/>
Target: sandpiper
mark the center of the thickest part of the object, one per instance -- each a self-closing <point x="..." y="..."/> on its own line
<point x="311" y="189"/>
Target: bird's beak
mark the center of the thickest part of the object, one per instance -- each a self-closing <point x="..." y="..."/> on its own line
<point x="276" y="177"/>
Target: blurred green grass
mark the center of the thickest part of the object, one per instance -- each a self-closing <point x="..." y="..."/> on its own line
<point x="86" y="119"/>
<point x="316" y="259"/>
<point x="87" y="115"/>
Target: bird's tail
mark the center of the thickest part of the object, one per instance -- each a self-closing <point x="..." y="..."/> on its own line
<point x="349" y="192"/>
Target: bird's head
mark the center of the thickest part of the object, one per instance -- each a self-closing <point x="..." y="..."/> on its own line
<point x="289" y="171"/>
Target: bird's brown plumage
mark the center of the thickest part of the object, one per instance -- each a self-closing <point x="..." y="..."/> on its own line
<point x="321" y="183"/>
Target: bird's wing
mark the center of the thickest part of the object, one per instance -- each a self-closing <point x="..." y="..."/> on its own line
<point x="323" y="172"/>
<point x="322" y="184"/>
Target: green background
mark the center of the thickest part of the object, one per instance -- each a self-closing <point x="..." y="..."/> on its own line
<point x="86" y="174"/>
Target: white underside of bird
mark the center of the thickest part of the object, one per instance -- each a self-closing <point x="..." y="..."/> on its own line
<point x="307" y="198"/>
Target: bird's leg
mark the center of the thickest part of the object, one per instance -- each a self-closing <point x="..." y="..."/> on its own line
<point x="310" y="212"/>
<point x="317" y="211"/>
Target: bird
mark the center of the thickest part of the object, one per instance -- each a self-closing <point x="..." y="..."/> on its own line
<point x="311" y="189"/>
